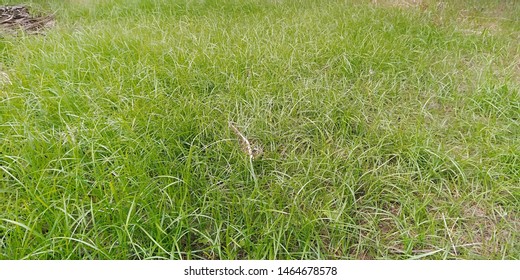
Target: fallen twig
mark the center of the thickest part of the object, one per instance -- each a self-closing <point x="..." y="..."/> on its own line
<point x="245" y="145"/>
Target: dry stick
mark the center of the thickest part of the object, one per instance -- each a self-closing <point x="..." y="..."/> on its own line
<point x="18" y="16"/>
<point x="10" y="18"/>
<point x="245" y="143"/>
<point x="243" y="140"/>
<point x="39" y="22"/>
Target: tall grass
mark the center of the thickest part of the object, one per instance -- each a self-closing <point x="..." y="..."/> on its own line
<point x="388" y="130"/>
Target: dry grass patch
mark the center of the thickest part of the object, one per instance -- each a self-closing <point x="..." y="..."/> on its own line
<point x="401" y="3"/>
<point x="485" y="232"/>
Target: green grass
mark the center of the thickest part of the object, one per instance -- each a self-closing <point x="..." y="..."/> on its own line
<point x="389" y="130"/>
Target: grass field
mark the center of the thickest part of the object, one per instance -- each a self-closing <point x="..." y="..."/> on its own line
<point x="384" y="129"/>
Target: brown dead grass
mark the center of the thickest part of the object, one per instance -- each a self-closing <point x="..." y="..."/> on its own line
<point x="486" y="231"/>
<point x="476" y="231"/>
<point x="400" y="3"/>
<point x="470" y="19"/>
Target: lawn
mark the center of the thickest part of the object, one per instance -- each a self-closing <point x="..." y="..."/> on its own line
<point x="262" y="129"/>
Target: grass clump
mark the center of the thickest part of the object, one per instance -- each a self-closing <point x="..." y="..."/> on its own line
<point x="386" y="131"/>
